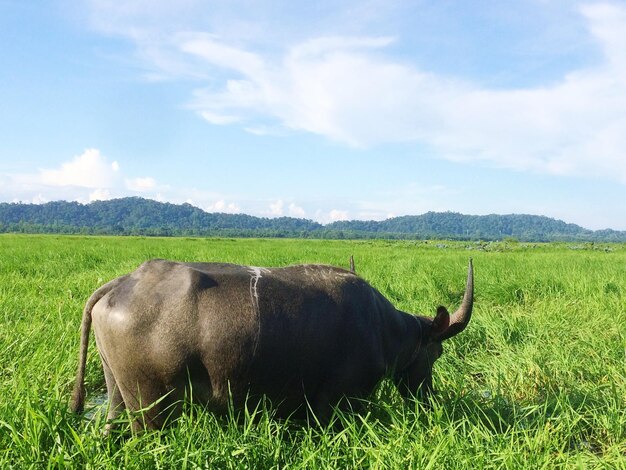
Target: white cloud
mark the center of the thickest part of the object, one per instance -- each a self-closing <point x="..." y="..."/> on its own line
<point x="38" y="199"/>
<point x="141" y="185"/>
<point x="276" y="208"/>
<point x="87" y="170"/>
<point x="296" y="211"/>
<point x="224" y="207"/>
<point x="87" y="177"/>
<point x="336" y="215"/>
<point x="100" y="195"/>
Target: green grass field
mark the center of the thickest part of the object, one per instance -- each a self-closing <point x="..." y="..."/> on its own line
<point x="538" y="379"/>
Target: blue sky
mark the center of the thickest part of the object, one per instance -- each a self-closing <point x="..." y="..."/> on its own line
<point x="323" y="110"/>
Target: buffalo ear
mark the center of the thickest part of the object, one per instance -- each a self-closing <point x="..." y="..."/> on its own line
<point x="441" y="321"/>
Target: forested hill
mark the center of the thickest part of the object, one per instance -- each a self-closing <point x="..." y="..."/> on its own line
<point x="137" y="216"/>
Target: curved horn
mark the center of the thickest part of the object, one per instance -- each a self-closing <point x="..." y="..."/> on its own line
<point x="460" y="318"/>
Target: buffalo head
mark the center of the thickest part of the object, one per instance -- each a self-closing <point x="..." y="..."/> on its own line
<point x="416" y="376"/>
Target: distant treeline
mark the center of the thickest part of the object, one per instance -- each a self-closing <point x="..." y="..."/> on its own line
<point x="137" y="216"/>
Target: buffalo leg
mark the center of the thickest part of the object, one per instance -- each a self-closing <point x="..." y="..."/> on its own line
<point x="116" y="402"/>
<point x="145" y="400"/>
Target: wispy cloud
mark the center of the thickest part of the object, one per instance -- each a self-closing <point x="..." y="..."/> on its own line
<point x="351" y="90"/>
<point x="218" y="119"/>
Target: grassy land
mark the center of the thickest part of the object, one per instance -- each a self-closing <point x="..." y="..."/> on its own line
<point x="538" y="380"/>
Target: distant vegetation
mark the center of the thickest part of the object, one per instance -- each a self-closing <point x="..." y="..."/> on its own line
<point x="137" y="216"/>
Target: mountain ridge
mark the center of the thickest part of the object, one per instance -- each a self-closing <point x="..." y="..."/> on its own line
<point x="138" y="216"/>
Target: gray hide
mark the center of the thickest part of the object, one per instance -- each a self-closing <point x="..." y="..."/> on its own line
<point x="303" y="336"/>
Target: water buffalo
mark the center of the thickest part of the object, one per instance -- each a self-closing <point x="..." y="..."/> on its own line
<point x="306" y="337"/>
